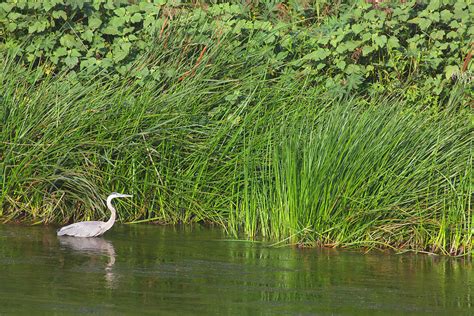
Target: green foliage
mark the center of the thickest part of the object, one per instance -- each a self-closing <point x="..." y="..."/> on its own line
<point x="396" y="45"/>
<point x="69" y="34"/>
<point x="358" y="48"/>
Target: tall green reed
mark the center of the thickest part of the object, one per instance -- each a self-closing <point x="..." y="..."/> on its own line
<point x="379" y="175"/>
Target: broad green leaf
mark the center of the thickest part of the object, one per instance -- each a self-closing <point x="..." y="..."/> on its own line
<point x="422" y="23"/>
<point x="341" y="64"/>
<point x="393" y="42"/>
<point x="371" y="15"/>
<point x="89" y="62"/>
<point x="323" y="40"/>
<point x="71" y="61"/>
<point x="353" y="69"/>
<point x="54" y="59"/>
<point x="48" y="5"/>
<point x="354" y="80"/>
<point x="12" y="26"/>
<point x="59" y="14"/>
<point x="31" y="48"/>
<point x="61" y="51"/>
<point x="36" y="27"/>
<point x="380" y="40"/>
<point x="366" y="37"/>
<point x="68" y="40"/>
<point x="341" y="48"/>
<point x="149" y="8"/>
<point x="441" y="45"/>
<point x="30" y="57"/>
<point x="357" y="28"/>
<point x="320" y="66"/>
<point x="94" y="22"/>
<point x="463" y="15"/>
<point x="110" y="30"/>
<point x="6" y="7"/>
<point x="128" y="30"/>
<point x="434" y="17"/>
<point x="121" y="51"/>
<point x="347" y="46"/>
<point x="106" y="63"/>
<point x="366" y="50"/>
<point x="446" y="15"/>
<point x="121" y="12"/>
<point x="452" y="35"/>
<point x="450" y="70"/>
<point x="76" y="4"/>
<point x="131" y="9"/>
<point x="87" y="35"/>
<point x="319" y="54"/>
<point x="435" y="62"/>
<point x="433" y="5"/>
<point x="454" y="24"/>
<point x="141" y="44"/>
<point x="15" y="16"/>
<point x="116" y="22"/>
<point x="75" y="53"/>
<point x="357" y="13"/>
<point x="459" y="6"/>
<point x="438" y="35"/>
<point x="32" y="28"/>
<point x="109" y="5"/>
<point x="149" y="20"/>
<point x="137" y="17"/>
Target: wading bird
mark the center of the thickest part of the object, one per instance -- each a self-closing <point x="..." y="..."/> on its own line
<point x="92" y="228"/>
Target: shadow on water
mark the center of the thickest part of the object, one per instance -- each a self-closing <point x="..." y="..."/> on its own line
<point x="195" y="270"/>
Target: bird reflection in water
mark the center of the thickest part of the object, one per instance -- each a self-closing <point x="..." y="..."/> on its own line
<point x="96" y="247"/>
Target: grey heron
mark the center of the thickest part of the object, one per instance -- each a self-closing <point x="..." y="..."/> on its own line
<point x="92" y="228"/>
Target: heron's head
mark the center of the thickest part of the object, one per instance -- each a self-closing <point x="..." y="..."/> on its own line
<point x="114" y="195"/>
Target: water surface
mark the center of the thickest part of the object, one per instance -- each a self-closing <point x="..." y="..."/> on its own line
<point x="146" y="269"/>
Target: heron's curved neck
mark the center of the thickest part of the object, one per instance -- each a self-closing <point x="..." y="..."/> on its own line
<point x="112" y="209"/>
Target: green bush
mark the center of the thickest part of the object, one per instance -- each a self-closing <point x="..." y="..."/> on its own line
<point x="418" y="44"/>
<point x="78" y="34"/>
<point x="358" y="48"/>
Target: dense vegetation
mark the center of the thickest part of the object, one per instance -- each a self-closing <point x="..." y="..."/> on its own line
<point x="345" y="125"/>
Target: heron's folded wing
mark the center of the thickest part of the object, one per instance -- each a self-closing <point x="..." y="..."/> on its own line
<point x="82" y="229"/>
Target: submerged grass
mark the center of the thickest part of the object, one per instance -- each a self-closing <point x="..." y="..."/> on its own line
<point x="272" y="158"/>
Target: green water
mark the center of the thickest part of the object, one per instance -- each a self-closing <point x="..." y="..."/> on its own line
<point x="194" y="270"/>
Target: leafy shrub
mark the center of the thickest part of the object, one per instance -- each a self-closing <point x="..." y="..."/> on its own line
<point x="79" y="34"/>
<point x="361" y="47"/>
<point x="419" y="44"/>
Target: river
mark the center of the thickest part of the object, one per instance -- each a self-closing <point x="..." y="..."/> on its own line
<point x="194" y="270"/>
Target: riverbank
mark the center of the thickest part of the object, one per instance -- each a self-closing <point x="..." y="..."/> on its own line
<point x="218" y="133"/>
<point x="264" y="157"/>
